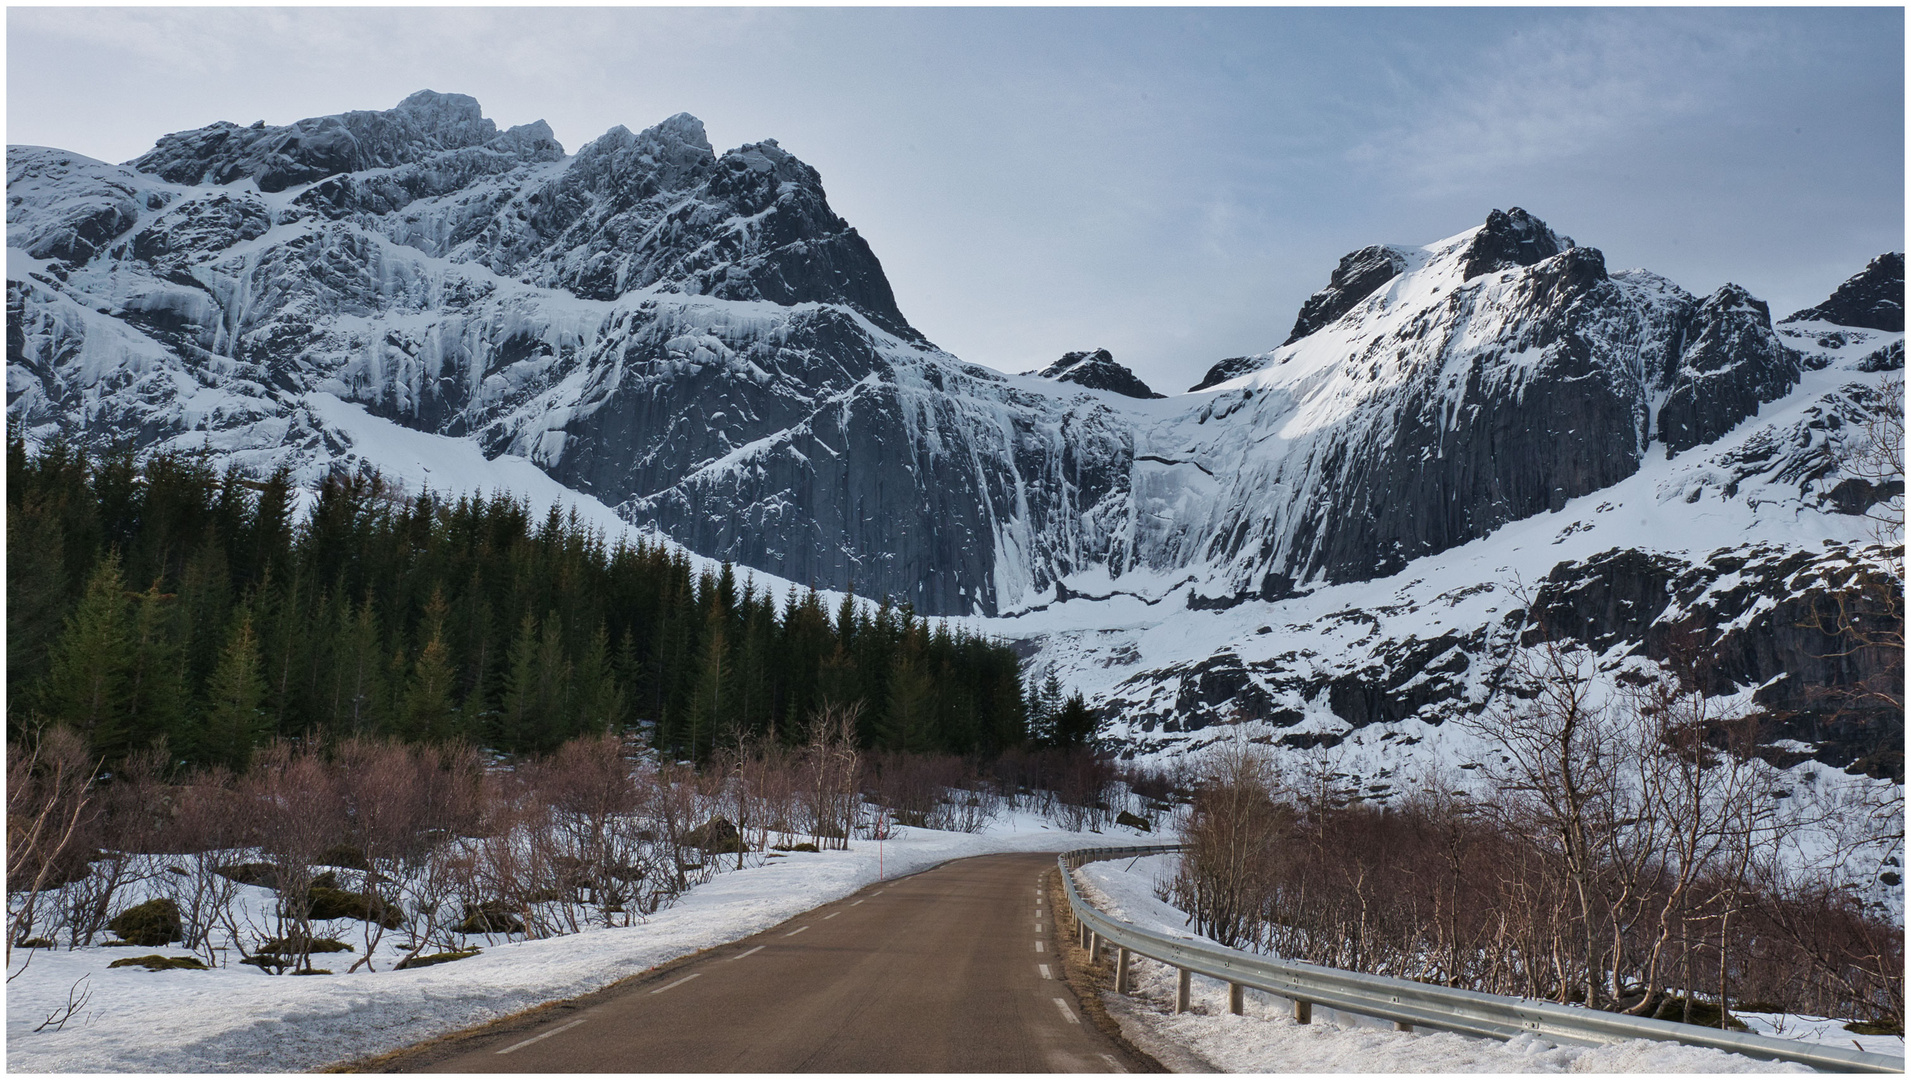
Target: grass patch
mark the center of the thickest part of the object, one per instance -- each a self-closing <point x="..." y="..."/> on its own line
<point x="1875" y="1027"/>
<point x="290" y="946"/>
<point x="155" y="922"/>
<point x="436" y="958"/>
<point x="157" y="962"/>
<point x="1704" y="1014"/>
<point x="35" y="943"/>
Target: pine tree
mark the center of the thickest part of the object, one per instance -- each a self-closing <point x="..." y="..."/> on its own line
<point x="429" y="714"/>
<point x="1074" y="724"/>
<point x="156" y="677"/>
<point x="234" y="720"/>
<point x="87" y="677"/>
<point x="908" y="720"/>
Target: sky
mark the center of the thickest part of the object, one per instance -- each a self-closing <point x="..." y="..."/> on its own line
<point x="1166" y="183"/>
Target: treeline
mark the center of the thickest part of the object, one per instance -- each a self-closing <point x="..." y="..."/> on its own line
<point x="1626" y="852"/>
<point x="165" y="599"/>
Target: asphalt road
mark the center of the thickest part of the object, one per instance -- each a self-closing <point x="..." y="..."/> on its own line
<point x="951" y="970"/>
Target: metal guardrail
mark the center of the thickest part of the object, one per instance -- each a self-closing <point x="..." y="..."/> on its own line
<point x="1415" y="1004"/>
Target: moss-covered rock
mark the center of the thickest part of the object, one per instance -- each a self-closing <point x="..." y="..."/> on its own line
<point x="262" y="874"/>
<point x="34" y="943"/>
<point x="157" y="962"/>
<point x="1704" y="1013"/>
<point x="155" y="922"/>
<point x="349" y="856"/>
<point x="436" y="958"/>
<point x="1133" y="821"/>
<point x="328" y="903"/>
<point x="290" y="946"/>
<point x="489" y="917"/>
<point x="715" y="837"/>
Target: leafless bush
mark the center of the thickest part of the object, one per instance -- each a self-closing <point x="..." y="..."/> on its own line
<point x="49" y="803"/>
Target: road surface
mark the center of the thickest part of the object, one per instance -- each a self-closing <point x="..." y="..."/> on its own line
<point x="951" y="970"/>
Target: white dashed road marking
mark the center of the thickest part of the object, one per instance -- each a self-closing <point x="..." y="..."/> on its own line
<point x="1045" y="972"/>
<point x="540" y="1038"/>
<point x="1041" y="947"/>
<point x="740" y="956"/>
<point x="831" y="915"/>
<point x="1066" y="1011"/>
<point x="796" y="931"/>
<point x="676" y="984"/>
<point x="858" y="902"/>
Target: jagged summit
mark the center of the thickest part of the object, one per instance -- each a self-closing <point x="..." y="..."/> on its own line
<point x="1097" y="370"/>
<point x="1355" y="279"/>
<point x="1871" y="299"/>
<point x="422" y="127"/>
<point x="1510" y="238"/>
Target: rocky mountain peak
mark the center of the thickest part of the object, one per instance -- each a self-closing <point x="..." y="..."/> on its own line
<point x="1359" y="275"/>
<point x="1732" y="363"/>
<point x="1097" y="370"/>
<point x="683" y="128"/>
<point x="1510" y="238"/>
<point x="421" y="127"/>
<point x="1872" y="299"/>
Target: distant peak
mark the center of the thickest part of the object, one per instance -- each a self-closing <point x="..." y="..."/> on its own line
<point x="1359" y="275"/>
<point x="1510" y="238"/>
<point x="683" y="128"/>
<point x="1097" y="370"/>
<point x="1872" y="299"/>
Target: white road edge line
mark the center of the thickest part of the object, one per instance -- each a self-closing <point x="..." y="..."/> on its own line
<point x="1066" y="1011"/>
<point x="796" y="931"/>
<point x="676" y="984"/>
<point x="1045" y="972"/>
<point x="741" y="955"/>
<point x="540" y="1038"/>
<point x="1113" y="1065"/>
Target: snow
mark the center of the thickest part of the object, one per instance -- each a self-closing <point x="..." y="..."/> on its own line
<point x="237" y="1019"/>
<point x="1266" y="1038"/>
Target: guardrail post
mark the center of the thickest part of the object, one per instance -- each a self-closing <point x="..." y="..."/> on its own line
<point x="1094" y="947"/>
<point x="1081" y="934"/>
<point x="1236" y="992"/>
<point x="1402" y="1025"/>
<point x="1303" y="1011"/>
<point x="1181" y="990"/>
<point x="1122" y="960"/>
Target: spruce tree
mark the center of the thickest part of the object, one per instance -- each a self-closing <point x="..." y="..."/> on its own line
<point x="234" y="720"/>
<point x="429" y="714"/>
<point x="87" y="676"/>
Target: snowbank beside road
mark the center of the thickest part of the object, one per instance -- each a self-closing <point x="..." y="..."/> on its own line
<point x="1266" y="1038"/>
<point x="237" y="1019"/>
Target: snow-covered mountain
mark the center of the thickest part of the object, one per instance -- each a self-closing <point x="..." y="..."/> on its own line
<point x="698" y="341"/>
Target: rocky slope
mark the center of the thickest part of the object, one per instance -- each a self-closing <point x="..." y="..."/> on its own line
<point x="697" y="340"/>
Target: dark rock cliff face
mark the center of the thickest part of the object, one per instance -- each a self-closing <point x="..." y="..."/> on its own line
<point x="1489" y="441"/>
<point x="1763" y="616"/>
<point x="1232" y="368"/>
<point x="1359" y="275"/>
<point x="420" y="128"/>
<point x="1097" y="370"/>
<point x="1510" y="238"/>
<point x="1871" y="299"/>
<point x="1734" y="363"/>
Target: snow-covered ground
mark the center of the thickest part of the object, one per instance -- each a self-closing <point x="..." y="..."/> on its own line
<point x="1266" y="1038"/>
<point x="238" y="1019"/>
